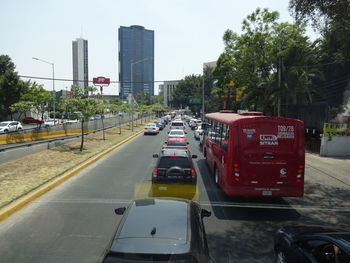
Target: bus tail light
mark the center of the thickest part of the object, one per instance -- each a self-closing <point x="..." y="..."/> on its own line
<point x="236" y="172"/>
<point x="299" y="178"/>
<point x="300" y="174"/>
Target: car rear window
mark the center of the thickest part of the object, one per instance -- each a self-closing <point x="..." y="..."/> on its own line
<point x="176" y="133"/>
<point x="177" y="124"/>
<point x="170" y="161"/>
<point x="176" y="143"/>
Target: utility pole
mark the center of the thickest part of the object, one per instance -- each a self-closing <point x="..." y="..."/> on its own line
<point x="279" y="88"/>
<point x="203" y="95"/>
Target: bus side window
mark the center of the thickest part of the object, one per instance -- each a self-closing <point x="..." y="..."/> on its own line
<point x="224" y="138"/>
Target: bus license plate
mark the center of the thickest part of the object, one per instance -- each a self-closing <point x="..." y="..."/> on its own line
<point x="266" y="193"/>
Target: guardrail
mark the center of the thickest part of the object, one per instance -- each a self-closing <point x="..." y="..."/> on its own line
<point x="25" y="138"/>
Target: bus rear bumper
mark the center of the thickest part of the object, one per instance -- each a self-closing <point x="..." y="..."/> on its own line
<point x="265" y="191"/>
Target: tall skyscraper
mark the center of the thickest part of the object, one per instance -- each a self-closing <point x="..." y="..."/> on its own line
<point x="80" y="63"/>
<point x="136" y="60"/>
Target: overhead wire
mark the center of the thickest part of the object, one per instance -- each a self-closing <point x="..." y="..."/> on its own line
<point x="90" y="81"/>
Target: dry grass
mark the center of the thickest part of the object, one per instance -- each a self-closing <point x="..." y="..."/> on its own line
<point x="21" y="176"/>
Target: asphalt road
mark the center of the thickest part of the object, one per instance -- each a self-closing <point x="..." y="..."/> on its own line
<point x="75" y="221"/>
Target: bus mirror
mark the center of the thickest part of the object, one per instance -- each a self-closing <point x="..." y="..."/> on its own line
<point x="194" y="156"/>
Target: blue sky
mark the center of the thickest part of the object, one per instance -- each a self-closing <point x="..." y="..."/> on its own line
<point x="187" y="33"/>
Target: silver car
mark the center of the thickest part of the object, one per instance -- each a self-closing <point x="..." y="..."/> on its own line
<point x="198" y="132"/>
<point x="150" y="128"/>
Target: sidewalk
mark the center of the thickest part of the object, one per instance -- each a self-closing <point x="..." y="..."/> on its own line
<point x="337" y="168"/>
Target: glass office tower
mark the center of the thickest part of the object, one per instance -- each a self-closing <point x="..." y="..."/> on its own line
<point x="136" y="60"/>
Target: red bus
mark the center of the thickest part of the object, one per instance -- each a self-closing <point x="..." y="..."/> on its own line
<point x="251" y="155"/>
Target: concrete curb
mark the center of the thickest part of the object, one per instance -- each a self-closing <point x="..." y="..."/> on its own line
<point x="15" y="206"/>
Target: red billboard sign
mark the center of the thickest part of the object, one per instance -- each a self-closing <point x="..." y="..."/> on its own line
<point x="101" y="81"/>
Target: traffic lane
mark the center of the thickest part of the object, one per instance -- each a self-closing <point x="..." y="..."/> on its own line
<point x="242" y="229"/>
<point x="75" y="221"/>
<point x="235" y="231"/>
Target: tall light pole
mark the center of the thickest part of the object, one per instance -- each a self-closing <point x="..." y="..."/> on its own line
<point x="203" y="95"/>
<point x="53" y="86"/>
<point x="132" y="86"/>
<point x="131" y="71"/>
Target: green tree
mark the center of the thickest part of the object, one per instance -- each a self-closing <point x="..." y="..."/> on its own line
<point x="332" y="19"/>
<point x="11" y="87"/>
<point x="158" y="98"/>
<point x="143" y="98"/>
<point x="116" y="110"/>
<point x="188" y="88"/>
<point x="211" y="101"/>
<point x="293" y="51"/>
<point x="85" y="108"/>
<point x="322" y="13"/>
<point x="39" y="97"/>
<point x="77" y="91"/>
<point x="100" y="109"/>
<point x="248" y="59"/>
<point x="90" y="89"/>
<point x="21" y="107"/>
<point x="266" y="61"/>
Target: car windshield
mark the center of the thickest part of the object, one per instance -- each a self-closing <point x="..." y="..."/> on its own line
<point x="3" y="124"/>
<point x="177" y="124"/>
<point x="170" y="161"/>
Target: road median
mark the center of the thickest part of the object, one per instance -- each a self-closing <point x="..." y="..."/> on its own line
<point x="25" y="179"/>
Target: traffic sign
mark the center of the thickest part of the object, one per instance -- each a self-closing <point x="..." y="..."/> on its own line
<point x="195" y="101"/>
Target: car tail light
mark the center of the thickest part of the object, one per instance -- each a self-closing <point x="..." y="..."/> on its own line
<point x="193" y="174"/>
<point x="236" y="175"/>
<point x="155" y="172"/>
<point x="153" y="128"/>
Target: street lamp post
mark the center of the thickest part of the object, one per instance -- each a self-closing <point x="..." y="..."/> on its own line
<point x="132" y="86"/>
<point x="53" y="86"/>
<point x="131" y="71"/>
<point x="203" y="96"/>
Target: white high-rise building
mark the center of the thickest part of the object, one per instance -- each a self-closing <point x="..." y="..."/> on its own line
<point x="80" y="63"/>
<point x="169" y="88"/>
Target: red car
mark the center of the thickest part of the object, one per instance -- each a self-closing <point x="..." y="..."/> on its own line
<point x="174" y="142"/>
<point x="32" y="120"/>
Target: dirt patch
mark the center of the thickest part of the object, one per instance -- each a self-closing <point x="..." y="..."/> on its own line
<point x="20" y="176"/>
